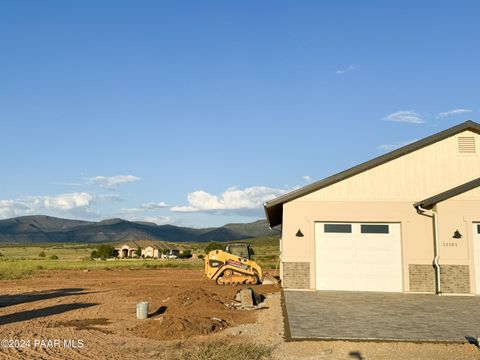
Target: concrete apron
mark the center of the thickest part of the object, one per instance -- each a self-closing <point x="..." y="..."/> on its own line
<point x="342" y="315"/>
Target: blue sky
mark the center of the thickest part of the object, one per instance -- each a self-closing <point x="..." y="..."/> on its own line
<point x="196" y="112"/>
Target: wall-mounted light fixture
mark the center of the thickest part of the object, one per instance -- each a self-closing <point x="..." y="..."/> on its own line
<point x="457" y="235"/>
<point x="299" y="233"/>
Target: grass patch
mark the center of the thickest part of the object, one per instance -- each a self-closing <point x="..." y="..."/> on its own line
<point x="219" y="350"/>
<point x="20" y="260"/>
<point x="18" y="268"/>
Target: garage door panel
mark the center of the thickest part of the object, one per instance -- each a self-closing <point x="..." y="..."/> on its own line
<point x="334" y="256"/>
<point x="339" y="243"/>
<point x="358" y="262"/>
<point x="376" y="255"/>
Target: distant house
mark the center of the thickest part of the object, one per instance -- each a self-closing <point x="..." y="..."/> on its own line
<point x="125" y="251"/>
<point x="152" y="251"/>
<point x="148" y="249"/>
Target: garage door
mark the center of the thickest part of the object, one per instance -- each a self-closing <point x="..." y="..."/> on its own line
<point x="476" y="249"/>
<point x="358" y="257"/>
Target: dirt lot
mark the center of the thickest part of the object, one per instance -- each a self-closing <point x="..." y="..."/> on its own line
<point x="91" y="315"/>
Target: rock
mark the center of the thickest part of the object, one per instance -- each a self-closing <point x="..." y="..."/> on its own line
<point x="248" y="299"/>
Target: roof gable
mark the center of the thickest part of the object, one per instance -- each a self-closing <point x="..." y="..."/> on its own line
<point x="274" y="208"/>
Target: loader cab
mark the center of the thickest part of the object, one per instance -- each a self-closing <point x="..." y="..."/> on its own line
<point x="243" y="250"/>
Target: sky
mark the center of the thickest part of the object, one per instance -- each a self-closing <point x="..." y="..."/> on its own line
<point x="194" y="113"/>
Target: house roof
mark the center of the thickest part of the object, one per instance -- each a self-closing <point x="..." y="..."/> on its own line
<point x="274" y="208"/>
<point x="134" y="244"/>
<point x="431" y="201"/>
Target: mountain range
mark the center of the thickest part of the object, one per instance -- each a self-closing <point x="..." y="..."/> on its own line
<point x="47" y="229"/>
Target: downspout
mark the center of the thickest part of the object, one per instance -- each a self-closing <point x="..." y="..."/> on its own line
<point x="434" y="215"/>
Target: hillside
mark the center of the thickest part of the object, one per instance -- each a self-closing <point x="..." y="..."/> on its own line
<point x="44" y="229"/>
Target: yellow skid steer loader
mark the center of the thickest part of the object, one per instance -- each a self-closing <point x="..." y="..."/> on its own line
<point x="234" y="266"/>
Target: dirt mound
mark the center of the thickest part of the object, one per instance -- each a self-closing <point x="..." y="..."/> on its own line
<point x="195" y="297"/>
<point x="173" y="327"/>
<point x="189" y="312"/>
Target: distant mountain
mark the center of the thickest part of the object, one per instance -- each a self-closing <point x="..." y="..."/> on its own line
<point x="43" y="229"/>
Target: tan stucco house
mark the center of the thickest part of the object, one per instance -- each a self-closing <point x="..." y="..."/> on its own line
<point x="148" y="248"/>
<point x="407" y="221"/>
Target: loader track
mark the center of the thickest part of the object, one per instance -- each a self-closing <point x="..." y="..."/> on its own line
<point x="230" y="277"/>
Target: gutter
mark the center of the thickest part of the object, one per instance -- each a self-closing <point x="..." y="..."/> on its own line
<point x="436" y="264"/>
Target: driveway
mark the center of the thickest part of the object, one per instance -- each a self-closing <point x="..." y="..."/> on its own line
<point x="381" y="316"/>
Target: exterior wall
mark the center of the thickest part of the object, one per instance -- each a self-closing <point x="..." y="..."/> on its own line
<point x="412" y="177"/>
<point x="417" y="239"/>
<point x="458" y="214"/>
<point x="455" y="279"/>
<point x="387" y="193"/>
<point x="421" y="278"/>
<point x="296" y="275"/>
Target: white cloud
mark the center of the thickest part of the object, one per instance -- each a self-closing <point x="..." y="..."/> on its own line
<point x="35" y="204"/>
<point x="68" y="184"/>
<point x="232" y="199"/>
<point x="154" y="205"/>
<point x="395" y="145"/>
<point x="453" y="112"/>
<point x="159" y="220"/>
<point x="307" y="178"/>
<point x="113" y="181"/>
<point x="150" y="206"/>
<point x="406" y="116"/>
<point x="343" y="71"/>
<point x="111" y="198"/>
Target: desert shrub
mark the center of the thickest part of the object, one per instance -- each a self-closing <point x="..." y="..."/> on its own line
<point x="53" y="257"/>
<point x="42" y="254"/>
<point x="201" y="257"/>
<point x="214" y="246"/>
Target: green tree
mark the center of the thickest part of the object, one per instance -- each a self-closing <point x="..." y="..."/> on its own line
<point x="214" y="246"/>
<point x="138" y="252"/>
<point x="186" y="254"/>
<point x="42" y="254"/>
<point x="103" y="252"/>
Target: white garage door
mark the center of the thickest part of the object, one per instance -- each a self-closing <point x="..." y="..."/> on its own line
<point x="358" y="257"/>
<point x="476" y="249"/>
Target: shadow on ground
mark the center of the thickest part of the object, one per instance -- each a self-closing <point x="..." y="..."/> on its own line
<point x="10" y="300"/>
<point x="43" y="312"/>
<point x="159" y="311"/>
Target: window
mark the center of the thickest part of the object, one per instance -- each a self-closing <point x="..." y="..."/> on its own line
<point x="478" y="229"/>
<point x="374" y="229"/>
<point x="337" y="228"/>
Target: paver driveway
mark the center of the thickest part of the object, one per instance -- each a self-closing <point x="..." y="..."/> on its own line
<point x="381" y="316"/>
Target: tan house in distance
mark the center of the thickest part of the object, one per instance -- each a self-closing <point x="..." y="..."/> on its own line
<point x="407" y="221"/>
<point x="152" y="249"/>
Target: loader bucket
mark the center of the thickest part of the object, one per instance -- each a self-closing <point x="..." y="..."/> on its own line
<point x="269" y="280"/>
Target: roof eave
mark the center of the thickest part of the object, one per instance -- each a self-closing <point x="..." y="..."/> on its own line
<point x="433" y="200"/>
